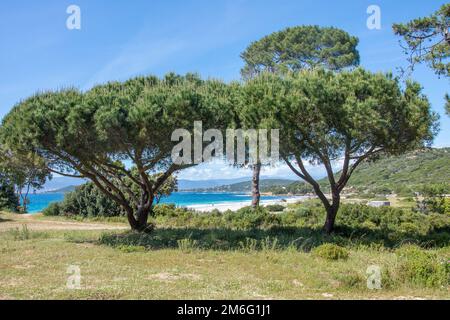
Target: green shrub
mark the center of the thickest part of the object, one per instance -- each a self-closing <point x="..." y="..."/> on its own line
<point x="409" y="228"/>
<point x="331" y="251"/>
<point x="85" y="201"/>
<point x="250" y="218"/>
<point x="164" y="210"/>
<point x="130" y="249"/>
<point x="8" y="198"/>
<point x="351" y="280"/>
<point x="53" y="209"/>
<point x="275" y="207"/>
<point x="422" y="268"/>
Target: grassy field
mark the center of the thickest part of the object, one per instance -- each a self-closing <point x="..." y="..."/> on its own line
<point x="34" y="262"/>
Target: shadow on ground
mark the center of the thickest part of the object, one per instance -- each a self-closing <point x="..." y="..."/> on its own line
<point x="4" y="220"/>
<point x="303" y="239"/>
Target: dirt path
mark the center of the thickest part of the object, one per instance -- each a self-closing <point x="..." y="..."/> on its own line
<point x="15" y="221"/>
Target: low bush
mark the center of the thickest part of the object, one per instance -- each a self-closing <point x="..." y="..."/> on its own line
<point x="130" y="249"/>
<point x="8" y="197"/>
<point x="275" y="207"/>
<point x="250" y="218"/>
<point x="331" y="251"/>
<point x="352" y="280"/>
<point x="421" y="268"/>
<point x="86" y="201"/>
<point x="53" y="209"/>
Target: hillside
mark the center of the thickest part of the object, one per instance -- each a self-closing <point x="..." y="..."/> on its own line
<point x="63" y="190"/>
<point x="184" y="185"/>
<point x="245" y="186"/>
<point x="400" y="174"/>
<point x="403" y="174"/>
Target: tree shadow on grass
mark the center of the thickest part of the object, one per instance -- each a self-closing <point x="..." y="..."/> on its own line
<point x="4" y="220"/>
<point x="299" y="238"/>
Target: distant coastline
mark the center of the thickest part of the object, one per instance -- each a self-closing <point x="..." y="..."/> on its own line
<point x="201" y="201"/>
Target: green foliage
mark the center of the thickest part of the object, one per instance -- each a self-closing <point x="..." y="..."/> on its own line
<point x="130" y="249"/>
<point x="249" y="218"/>
<point x="427" y="40"/>
<point x="421" y="268"/>
<point x="352" y="280"/>
<point x="53" y="209"/>
<point x="8" y="198"/>
<point x="86" y="201"/>
<point x="275" y="207"/>
<point x="331" y="251"/>
<point x="94" y="133"/>
<point x="26" y="171"/>
<point x="323" y="115"/>
<point x="187" y="244"/>
<point x="435" y="199"/>
<point x="300" y="47"/>
<point x="291" y="50"/>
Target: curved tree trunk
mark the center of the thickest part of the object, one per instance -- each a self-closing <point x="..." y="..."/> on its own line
<point x="331" y="214"/>
<point x="139" y="221"/>
<point x="256" y="195"/>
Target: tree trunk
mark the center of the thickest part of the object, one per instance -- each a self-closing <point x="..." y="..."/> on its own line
<point x="331" y="214"/>
<point x="255" y="185"/>
<point x="142" y="217"/>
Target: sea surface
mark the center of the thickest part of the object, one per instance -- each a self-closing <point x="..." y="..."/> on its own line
<point x="38" y="202"/>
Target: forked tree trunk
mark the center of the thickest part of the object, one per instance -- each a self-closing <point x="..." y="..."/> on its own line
<point x="256" y="195"/>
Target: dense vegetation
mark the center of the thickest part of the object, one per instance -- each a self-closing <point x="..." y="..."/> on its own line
<point x="386" y="226"/>
<point x="8" y="197"/>
<point x="85" y="201"/>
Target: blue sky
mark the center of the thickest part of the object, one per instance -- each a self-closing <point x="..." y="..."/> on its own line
<point x="121" y="39"/>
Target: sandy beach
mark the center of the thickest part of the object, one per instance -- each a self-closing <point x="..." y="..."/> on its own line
<point x="224" y="206"/>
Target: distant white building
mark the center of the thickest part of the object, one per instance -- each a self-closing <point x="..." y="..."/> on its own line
<point x="379" y="204"/>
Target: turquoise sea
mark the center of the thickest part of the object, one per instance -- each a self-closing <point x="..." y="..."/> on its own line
<point x="38" y="202"/>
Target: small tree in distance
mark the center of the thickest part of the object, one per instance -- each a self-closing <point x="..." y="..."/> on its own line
<point x="26" y="171"/>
